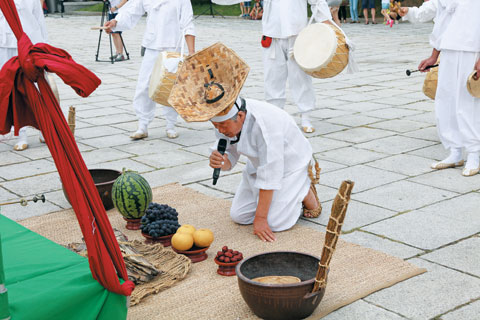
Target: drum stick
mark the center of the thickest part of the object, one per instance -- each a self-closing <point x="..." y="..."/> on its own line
<point x="98" y="28"/>
<point x="409" y="72"/>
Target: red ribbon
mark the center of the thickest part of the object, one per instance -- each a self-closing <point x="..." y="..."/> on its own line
<point x="22" y="104"/>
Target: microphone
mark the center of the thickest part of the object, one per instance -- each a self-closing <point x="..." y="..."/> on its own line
<point x="222" y="146"/>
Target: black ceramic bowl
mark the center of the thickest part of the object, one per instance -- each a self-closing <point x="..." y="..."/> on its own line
<point x="280" y="301"/>
<point x="103" y="179"/>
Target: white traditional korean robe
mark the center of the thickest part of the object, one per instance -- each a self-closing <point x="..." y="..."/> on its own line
<point x="31" y="16"/>
<point x="457" y="35"/>
<point x="283" y="20"/>
<point x="168" y="21"/>
<point x="33" y="24"/>
<point x="278" y="156"/>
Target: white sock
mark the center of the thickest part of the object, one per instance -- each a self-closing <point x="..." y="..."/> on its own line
<point x="454" y="157"/>
<point x="142" y="128"/>
<point x="306" y="120"/>
<point x="473" y="161"/>
<point x="22" y="136"/>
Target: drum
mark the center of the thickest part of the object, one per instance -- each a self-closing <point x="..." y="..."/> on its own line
<point x="321" y="50"/>
<point x="430" y="83"/>
<point x="161" y="80"/>
<point x="473" y="86"/>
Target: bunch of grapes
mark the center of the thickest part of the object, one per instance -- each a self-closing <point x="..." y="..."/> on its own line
<point x="159" y="220"/>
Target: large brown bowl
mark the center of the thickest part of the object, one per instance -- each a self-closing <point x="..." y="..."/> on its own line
<point x="280" y="301"/>
<point x="103" y="179"/>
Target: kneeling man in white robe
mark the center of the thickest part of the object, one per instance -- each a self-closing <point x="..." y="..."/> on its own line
<point x="275" y="182"/>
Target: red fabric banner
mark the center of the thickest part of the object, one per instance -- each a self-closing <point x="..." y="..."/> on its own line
<point x="23" y="103"/>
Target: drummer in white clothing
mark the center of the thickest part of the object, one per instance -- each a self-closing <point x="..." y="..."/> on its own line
<point x="275" y="181"/>
<point x="33" y="24"/>
<point x="456" y="35"/>
<point x="282" y="21"/>
<point x="168" y="22"/>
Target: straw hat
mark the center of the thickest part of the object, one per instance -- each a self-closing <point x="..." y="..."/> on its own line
<point x="208" y="83"/>
<point x="473" y="86"/>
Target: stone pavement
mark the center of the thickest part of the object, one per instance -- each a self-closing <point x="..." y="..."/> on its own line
<point x="374" y="127"/>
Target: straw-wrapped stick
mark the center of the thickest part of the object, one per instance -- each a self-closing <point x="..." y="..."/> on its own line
<point x="71" y="119"/>
<point x="334" y="227"/>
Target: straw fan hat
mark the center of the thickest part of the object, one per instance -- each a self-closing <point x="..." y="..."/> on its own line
<point x="208" y="83"/>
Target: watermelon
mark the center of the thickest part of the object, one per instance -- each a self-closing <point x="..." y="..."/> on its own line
<point x="131" y="195"/>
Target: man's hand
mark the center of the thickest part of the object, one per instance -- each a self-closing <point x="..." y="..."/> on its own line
<point x="477" y="68"/>
<point x="219" y="161"/>
<point x="403" y="11"/>
<point x="110" y="25"/>
<point x="426" y="63"/>
<point x="262" y="230"/>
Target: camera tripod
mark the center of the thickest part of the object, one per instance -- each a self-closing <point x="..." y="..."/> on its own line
<point x="105" y="11"/>
<point x="212" y="11"/>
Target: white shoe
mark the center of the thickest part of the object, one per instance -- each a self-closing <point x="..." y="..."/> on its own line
<point x="139" y="134"/>
<point x="22" y="143"/>
<point x="172" y="134"/>
<point x="445" y="165"/>
<point x="453" y="160"/>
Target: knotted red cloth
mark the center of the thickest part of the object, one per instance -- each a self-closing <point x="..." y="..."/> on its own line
<point x="22" y="104"/>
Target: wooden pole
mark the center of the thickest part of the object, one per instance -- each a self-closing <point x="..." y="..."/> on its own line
<point x="4" y="310"/>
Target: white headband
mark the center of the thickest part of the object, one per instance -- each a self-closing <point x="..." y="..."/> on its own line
<point x="232" y="112"/>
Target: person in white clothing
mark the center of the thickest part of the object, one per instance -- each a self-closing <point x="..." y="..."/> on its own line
<point x="33" y="24"/>
<point x="282" y="21"/>
<point x="168" y="22"/>
<point x="275" y="182"/>
<point x="456" y="35"/>
<point x="117" y="40"/>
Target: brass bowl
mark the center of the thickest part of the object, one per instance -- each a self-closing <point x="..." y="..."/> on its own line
<point x="280" y="301"/>
<point x="103" y="179"/>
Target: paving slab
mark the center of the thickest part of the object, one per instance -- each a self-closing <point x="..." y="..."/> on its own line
<point x="449" y="179"/>
<point x="395" y="144"/>
<point x="470" y="311"/>
<point x="320" y="144"/>
<point x="426" y="230"/>
<point x="34" y="185"/>
<point x="358" y="135"/>
<point x="31" y="168"/>
<point x="376" y="242"/>
<point x="462" y="256"/>
<point x="400" y="125"/>
<point x="358" y="214"/>
<point x="405" y="164"/>
<point x="429" y="133"/>
<point x="361" y="310"/>
<point x="169" y="159"/>
<point x="404" y="195"/>
<point x="354" y="120"/>
<point x="463" y="208"/>
<point x="352" y="156"/>
<point x="103" y="155"/>
<point x="364" y="177"/>
<point x="430" y="294"/>
<point x="9" y="157"/>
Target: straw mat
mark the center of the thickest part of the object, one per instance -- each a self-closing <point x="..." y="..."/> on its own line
<point x="355" y="271"/>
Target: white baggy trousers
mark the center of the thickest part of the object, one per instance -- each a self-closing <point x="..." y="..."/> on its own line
<point x="143" y="105"/>
<point x="457" y="112"/>
<point x="278" y="66"/>
<point x="286" y="206"/>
